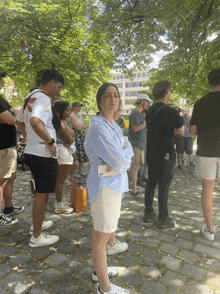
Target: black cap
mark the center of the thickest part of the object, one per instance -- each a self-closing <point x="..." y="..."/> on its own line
<point x="76" y="104"/>
<point x="2" y="74"/>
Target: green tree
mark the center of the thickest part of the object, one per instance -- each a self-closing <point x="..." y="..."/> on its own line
<point x="187" y="30"/>
<point x="36" y="35"/>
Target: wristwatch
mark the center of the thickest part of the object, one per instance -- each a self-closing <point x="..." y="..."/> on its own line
<point x="52" y="142"/>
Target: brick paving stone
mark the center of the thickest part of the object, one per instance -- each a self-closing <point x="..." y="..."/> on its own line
<point x="193" y="271"/>
<point x="20" y="258"/>
<point x="213" y="279"/>
<point x="172" y="291"/>
<point x="185" y="235"/>
<point x="70" y="266"/>
<point x="197" y="288"/>
<point x="153" y="287"/>
<point x="171" y="263"/>
<point x="17" y="282"/>
<point x="38" y="290"/>
<point x="56" y="259"/>
<point x="183" y="243"/>
<point x="65" y="246"/>
<point x="49" y="276"/>
<point x="83" y="290"/>
<point x="151" y="271"/>
<point x="130" y="261"/>
<point x="76" y="226"/>
<point x="85" y="242"/>
<point x="40" y="252"/>
<point x="131" y="277"/>
<point x="166" y="238"/>
<point x="150" y="256"/>
<point x="134" y="248"/>
<point x="168" y="248"/>
<point x="150" y="233"/>
<point x="136" y="228"/>
<point x="72" y="236"/>
<point x="86" y="231"/>
<point x="7" y="250"/>
<point x="4" y="269"/>
<point x="207" y="250"/>
<point x="134" y="236"/>
<point x="151" y="242"/>
<point x="173" y="279"/>
<point x="85" y="275"/>
<point x="189" y="255"/>
<point x="65" y="286"/>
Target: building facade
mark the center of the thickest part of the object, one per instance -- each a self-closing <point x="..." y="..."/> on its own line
<point x="129" y="87"/>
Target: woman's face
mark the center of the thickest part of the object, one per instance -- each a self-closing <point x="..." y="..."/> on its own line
<point x="77" y="108"/>
<point x="110" y="99"/>
<point x="66" y="113"/>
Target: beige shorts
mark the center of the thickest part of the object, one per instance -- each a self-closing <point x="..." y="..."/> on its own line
<point x="138" y="157"/>
<point x="105" y="210"/>
<point x="8" y="162"/>
<point x="64" y="156"/>
<point x="207" y="167"/>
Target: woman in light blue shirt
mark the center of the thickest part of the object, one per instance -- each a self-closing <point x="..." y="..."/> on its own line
<point x="105" y="144"/>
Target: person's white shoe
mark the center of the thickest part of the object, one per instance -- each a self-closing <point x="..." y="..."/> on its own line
<point x="46" y="225"/>
<point x="113" y="290"/>
<point x="7" y="221"/>
<point x="208" y="234"/>
<point x="43" y="240"/>
<point x="111" y="274"/>
<point x="118" y="247"/>
<point x="62" y="209"/>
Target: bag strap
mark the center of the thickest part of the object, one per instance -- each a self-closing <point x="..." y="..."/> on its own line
<point x="28" y="97"/>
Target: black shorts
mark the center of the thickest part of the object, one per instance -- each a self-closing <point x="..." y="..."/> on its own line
<point x="45" y="171"/>
<point x="179" y="140"/>
<point x="188" y="145"/>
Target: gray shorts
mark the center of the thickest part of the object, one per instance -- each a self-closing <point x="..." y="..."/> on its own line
<point x="207" y="168"/>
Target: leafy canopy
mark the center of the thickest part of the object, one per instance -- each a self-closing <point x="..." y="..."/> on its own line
<point x="37" y="35"/>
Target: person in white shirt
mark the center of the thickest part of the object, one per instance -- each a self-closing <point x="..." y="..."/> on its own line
<point x="34" y="121"/>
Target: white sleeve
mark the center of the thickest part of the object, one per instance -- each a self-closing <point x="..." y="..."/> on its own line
<point x="20" y="115"/>
<point x="42" y="108"/>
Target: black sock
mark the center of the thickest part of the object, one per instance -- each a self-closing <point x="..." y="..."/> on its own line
<point x="8" y="209"/>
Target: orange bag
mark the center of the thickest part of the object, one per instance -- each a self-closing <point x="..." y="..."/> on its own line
<point x="78" y="197"/>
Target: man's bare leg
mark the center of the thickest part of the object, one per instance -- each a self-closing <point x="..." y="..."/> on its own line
<point x="134" y="170"/>
<point x="7" y="190"/>
<point x="39" y="208"/>
<point x="207" y="202"/>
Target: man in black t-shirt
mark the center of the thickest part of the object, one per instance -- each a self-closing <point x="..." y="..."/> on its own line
<point x="8" y="160"/>
<point x="162" y="122"/>
<point x="205" y="122"/>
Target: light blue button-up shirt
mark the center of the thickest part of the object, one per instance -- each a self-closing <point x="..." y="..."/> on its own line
<point x="104" y="145"/>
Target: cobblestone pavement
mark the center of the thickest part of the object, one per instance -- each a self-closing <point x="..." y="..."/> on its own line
<point x="168" y="261"/>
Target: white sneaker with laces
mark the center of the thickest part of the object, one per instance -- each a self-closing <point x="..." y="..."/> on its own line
<point x="118" y="247"/>
<point x="113" y="290"/>
<point x="62" y="209"/>
<point x="46" y="225"/>
<point x="43" y="240"/>
<point x="208" y="234"/>
<point x="111" y="273"/>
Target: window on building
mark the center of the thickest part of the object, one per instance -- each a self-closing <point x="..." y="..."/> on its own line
<point x="127" y="111"/>
<point x="119" y="85"/>
<point x="114" y="78"/>
<point x="130" y="93"/>
<point x="120" y="93"/>
<point x="128" y="102"/>
<point x="139" y="75"/>
<point x="144" y="74"/>
<point x="122" y="76"/>
<point x="118" y="77"/>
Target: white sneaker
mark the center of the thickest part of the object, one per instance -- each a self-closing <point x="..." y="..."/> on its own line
<point x="208" y="234"/>
<point x="62" y="209"/>
<point x="46" y="225"/>
<point x="118" y="247"/>
<point x="43" y="240"/>
<point x="113" y="290"/>
<point x="111" y="273"/>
